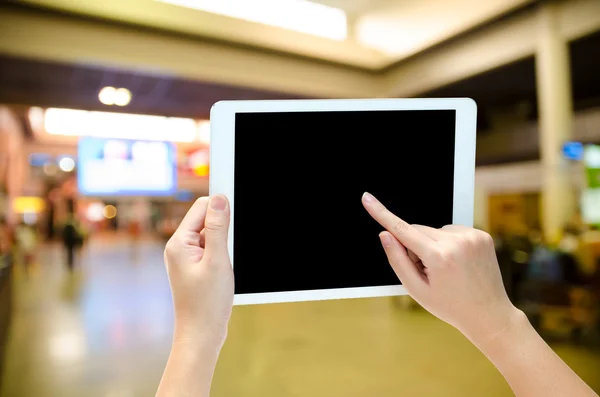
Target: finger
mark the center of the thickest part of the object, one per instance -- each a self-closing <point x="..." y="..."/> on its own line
<point x="403" y="266"/>
<point x="456" y="229"/>
<point x="407" y="235"/>
<point x="216" y="226"/>
<point x="430" y="232"/>
<point x="193" y="221"/>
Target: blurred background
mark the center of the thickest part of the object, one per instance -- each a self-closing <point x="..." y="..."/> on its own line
<point x="104" y="139"/>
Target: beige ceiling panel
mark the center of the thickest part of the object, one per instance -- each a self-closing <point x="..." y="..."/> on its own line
<point x="578" y="18"/>
<point x="403" y="28"/>
<point x="204" y="24"/>
<point x="43" y="36"/>
<point x="504" y="42"/>
<point x="359" y="7"/>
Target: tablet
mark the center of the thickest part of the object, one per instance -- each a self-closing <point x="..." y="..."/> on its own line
<point x="295" y="171"/>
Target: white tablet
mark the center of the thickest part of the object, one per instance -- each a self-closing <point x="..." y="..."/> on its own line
<point x="295" y="171"/>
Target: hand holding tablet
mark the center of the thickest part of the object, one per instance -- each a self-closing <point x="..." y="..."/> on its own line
<point x="452" y="272"/>
<point x="200" y="272"/>
<point x="446" y="269"/>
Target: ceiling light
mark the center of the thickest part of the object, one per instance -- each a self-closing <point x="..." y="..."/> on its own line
<point x="68" y="347"/>
<point x="95" y="212"/>
<point x="114" y="96"/>
<point x="36" y="118"/>
<point x="107" y="95"/>
<point x="109" y="211"/>
<point x="298" y="15"/>
<point x="122" y="97"/>
<point x="204" y="131"/>
<point x="71" y="122"/>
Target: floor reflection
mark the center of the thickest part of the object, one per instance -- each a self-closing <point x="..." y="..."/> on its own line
<point x="105" y="330"/>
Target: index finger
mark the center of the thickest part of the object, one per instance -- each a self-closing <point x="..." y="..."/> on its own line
<point x="193" y="221"/>
<point x="409" y="236"/>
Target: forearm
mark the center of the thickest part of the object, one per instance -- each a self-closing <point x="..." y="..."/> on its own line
<point x="529" y="365"/>
<point x="189" y="370"/>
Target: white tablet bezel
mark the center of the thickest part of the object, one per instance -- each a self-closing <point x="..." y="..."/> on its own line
<point x="222" y="153"/>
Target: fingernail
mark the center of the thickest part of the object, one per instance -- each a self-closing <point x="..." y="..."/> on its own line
<point x="368" y="197"/>
<point x="218" y="203"/>
<point x="386" y="239"/>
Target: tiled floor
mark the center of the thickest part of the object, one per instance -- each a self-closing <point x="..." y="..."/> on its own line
<point x="105" y="331"/>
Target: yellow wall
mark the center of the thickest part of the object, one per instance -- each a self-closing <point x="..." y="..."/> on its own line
<point x="514" y="213"/>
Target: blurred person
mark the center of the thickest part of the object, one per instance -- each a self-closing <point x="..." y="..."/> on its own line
<point x="27" y="244"/>
<point x="544" y="263"/>
<point x="543" y="288"/>
<point x="6" y="243"/>
<point x="72" y="237"/>
<point x="452" y="272"/>
<point x="583" y="309"/>
<point x="590" y="242"/>
<point x="568" y="249"/>
<point x="595" y="286"/>
<point x="134" y="229"/>
<point x="516" y="252"/>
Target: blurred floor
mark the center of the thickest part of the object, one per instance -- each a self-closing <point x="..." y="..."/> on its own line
<point x="105" y="331"/>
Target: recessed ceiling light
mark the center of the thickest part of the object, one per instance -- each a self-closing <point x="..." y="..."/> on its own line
<point x="107" y="95"/>
<point x="204" y="131"/>
<point x="114" y="96"/>
<point x="122" y="97"/>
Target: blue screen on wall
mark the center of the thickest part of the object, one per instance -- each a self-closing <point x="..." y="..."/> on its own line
<point x="119" y="167"/>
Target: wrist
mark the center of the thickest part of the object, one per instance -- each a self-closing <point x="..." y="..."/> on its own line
<point x="196" y="338"/>
<point x="497" y="334"/>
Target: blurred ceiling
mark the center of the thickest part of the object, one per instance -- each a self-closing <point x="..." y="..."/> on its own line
<point x="381" y="32"/>
<point x="64" y="84"/>
<point x="514" y="85"/>
<point x="29" y="82"/>
<point x="359" y="7"/>
<point x="45" y="84"/>
<point x="38" y="83"/>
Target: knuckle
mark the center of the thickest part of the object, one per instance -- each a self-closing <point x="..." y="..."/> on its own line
<point x="470" y="239"/>
<point x="443" y="256"/>
<point x="170" y="247"/>
<point x="450" y="253"/>
<point x="485" y="238"/>
<point x="214" y="224"/>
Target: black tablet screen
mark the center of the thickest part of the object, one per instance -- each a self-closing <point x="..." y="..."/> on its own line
<point x="299" y="176"/>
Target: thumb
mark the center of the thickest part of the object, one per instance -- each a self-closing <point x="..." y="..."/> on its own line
<point x="216" y="226"/>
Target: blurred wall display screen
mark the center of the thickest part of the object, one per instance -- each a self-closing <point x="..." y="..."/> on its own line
<point x="119" y="167"/>
<point x="573" y="150"/>
<point x="590" y="197"/>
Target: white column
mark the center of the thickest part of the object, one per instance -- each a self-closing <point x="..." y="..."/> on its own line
<point x="555" y="105"/>
<point x="351" y="23"/>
